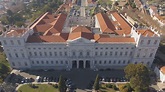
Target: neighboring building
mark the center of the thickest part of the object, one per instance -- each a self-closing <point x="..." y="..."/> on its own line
<point x="160" y="73"/>
<point x="104" y="41"/>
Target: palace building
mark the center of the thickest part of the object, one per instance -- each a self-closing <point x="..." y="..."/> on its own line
<point x="78" y="40"/>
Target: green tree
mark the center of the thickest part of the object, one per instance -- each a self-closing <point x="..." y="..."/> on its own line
<point x="96" y="83"/>
<point x="138" y="74"/>
<point x="61" y="85"/>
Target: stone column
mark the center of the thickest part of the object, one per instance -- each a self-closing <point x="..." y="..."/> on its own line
<point x="77" y="64"/>
<point x="84" y="63"/>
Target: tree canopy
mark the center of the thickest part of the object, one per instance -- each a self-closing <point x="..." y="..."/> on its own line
<point x="138" y="74"/>
<point x="96" y="83"/>
<point x="62" y="86"/>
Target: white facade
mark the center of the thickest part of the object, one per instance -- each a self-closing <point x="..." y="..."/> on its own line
<point x="78" y="53"/>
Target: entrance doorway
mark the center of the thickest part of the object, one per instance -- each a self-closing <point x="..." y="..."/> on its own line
<point x="81" y="64"/>
<point x="87" y="64"/>
<point x="74" y="64"/>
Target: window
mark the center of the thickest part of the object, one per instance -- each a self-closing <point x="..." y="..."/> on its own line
<point x="138" y="54"/>
<point x="34" y="48"/>
<point x="39" y="48"/>
<point x="142" y="41"/>
<point x="151" y="54"/>
<point x="51" y="62"/>
<point x="60" y="53"/>
<point x="126" y="53"/>
<point x="105" y="62"/>
<point x="65" y="53"/>
<point x="114" y="61"/>
<point x="110" y="53"/>
<point x="45" y="53"/>
<point x="119" y="62"/>
<point x="128" y="61"/>
<point x="101" y="53"/>
<point x="61" y="62"/>
<point x="109" y="61"/>
<point x="81" y="53"/>
<point x="149" y="41"/>
<point x="105" y="53"/>
<point x="55" y="53"/>
<point x="23" y="55"/>
<point x="96" y="48"/>
<point x="30" y="54"/>
<point x="42" y="62"/>
<point x="116" y="47"/>
<point x="32" y="62"/>
<point x="100" y="62"/>
<point x="106" y="48"/>
<point x="74" y="53"/>
<point x="47" y="62"/>
<point x="4" y="41"/>
<point x="50" y="53"/>
<point x="37" y="62"/>
<point x="148" y="63"/>
<point x="56" y="62"/>
<point x="19" y="63"/>
<point x="40" y="53"/>
<point x="9" y="55"/>
<point x="95" y="62"/>
<point x="26" y="64"/>
<point x="155" y="42"/>
<point x="13" y="63"/>
<point x="111" y="48"/>
<point x="123" y="61"/>
<point x="130" y="54"/>
<point x="88" y="53"/>
<point x="66" y="62"/>
<point x="135" y="62"/>
<point x="12" y="43"/>
<point x="96" y="54"/>
<point x="16" y="55"/>
<point x="121" y="47"/>
<point x="121" y="53"/>
<point x="115" y="53"/>
<point x="19" y="43"/>
<point x="35" y="53"/>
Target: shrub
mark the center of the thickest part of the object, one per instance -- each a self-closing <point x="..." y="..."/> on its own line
<point x="114" y="87"/>
<point x="109" y="85"/>
<point x="55" y="86"/>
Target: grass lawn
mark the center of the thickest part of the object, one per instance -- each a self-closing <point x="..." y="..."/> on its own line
<point x="39" y="88"/>
<point x="3" y="59"/>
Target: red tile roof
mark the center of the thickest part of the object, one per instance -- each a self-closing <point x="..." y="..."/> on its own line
<point x="75" y="35"/>
<point x="145" y="32"/>
<point x="105" y="23"/>
<point x="16" y="32"/>
<point x="81" y="29"/>
<point x="162" y="69"/>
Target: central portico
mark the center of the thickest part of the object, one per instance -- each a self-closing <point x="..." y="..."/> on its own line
<point x="81" y="64"/>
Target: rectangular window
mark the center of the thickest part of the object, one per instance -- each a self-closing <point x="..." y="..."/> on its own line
<point x="138" y="54"/>
<point x="105" y="53"/>
<point x="130" y="53"/>
<point x="119" y="62"/>
<point x="60" y="53"/>
<point x="95" y="53"/>
<point x="124" y="62"/>
<point x="12" y="43"/>
<point x="9" y="55"/>
<point x="126" y="53"/>
<point x="149" y="41"/>
<point x="109" y="61"/>
<point x="65" y="53"/>
<point x="35" y="53"/>
<point x="142" y="41"/>
<point x="42" y="62"/>
<point x="101" y="53"/>
<point x="51" y="62"/>
<point x="47" y="62"/>
<point x="151" y="54"/>
<point x="73" y="53"/>
<point x="50" y="53"/>
<point x="45" y="53"/>
<point x="111" y="53"/>
<point x="13" y="63"/>
<point x="55" y="53"/>
<point x="16" y="55"/>
<point x="121" y="53"/>
<point x="115" y="53"/>
<point x="23" y="55"/>
<point x="88" y="53"/>
<point x="19" y="63"/>
<point x="66" y="62"/>
<point x="4" y="41"/>
<point x="61" y="62"/>
<point x="37" y="62"/>
<point x="40" y="53"/>
<point x="155" y="42"/>
<point x="32" y="62"/>
<point x="19" y="43"/>
<point x="105" y="62"/>
<point x="30" y="54"/>
<point x="25" y="64"/>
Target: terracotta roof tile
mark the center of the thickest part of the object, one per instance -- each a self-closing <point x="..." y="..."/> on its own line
<point x="81" y="29"/>
<point x="146" y="32"/>
<point x="75" y="35"/>
<point x="16" y="32"/>
<point x="117" y="39"/>
<point x="105" y="23"/>
<point x="162" y="69"/>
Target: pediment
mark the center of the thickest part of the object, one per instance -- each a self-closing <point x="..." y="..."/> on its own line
<point x="80" y="40"/>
